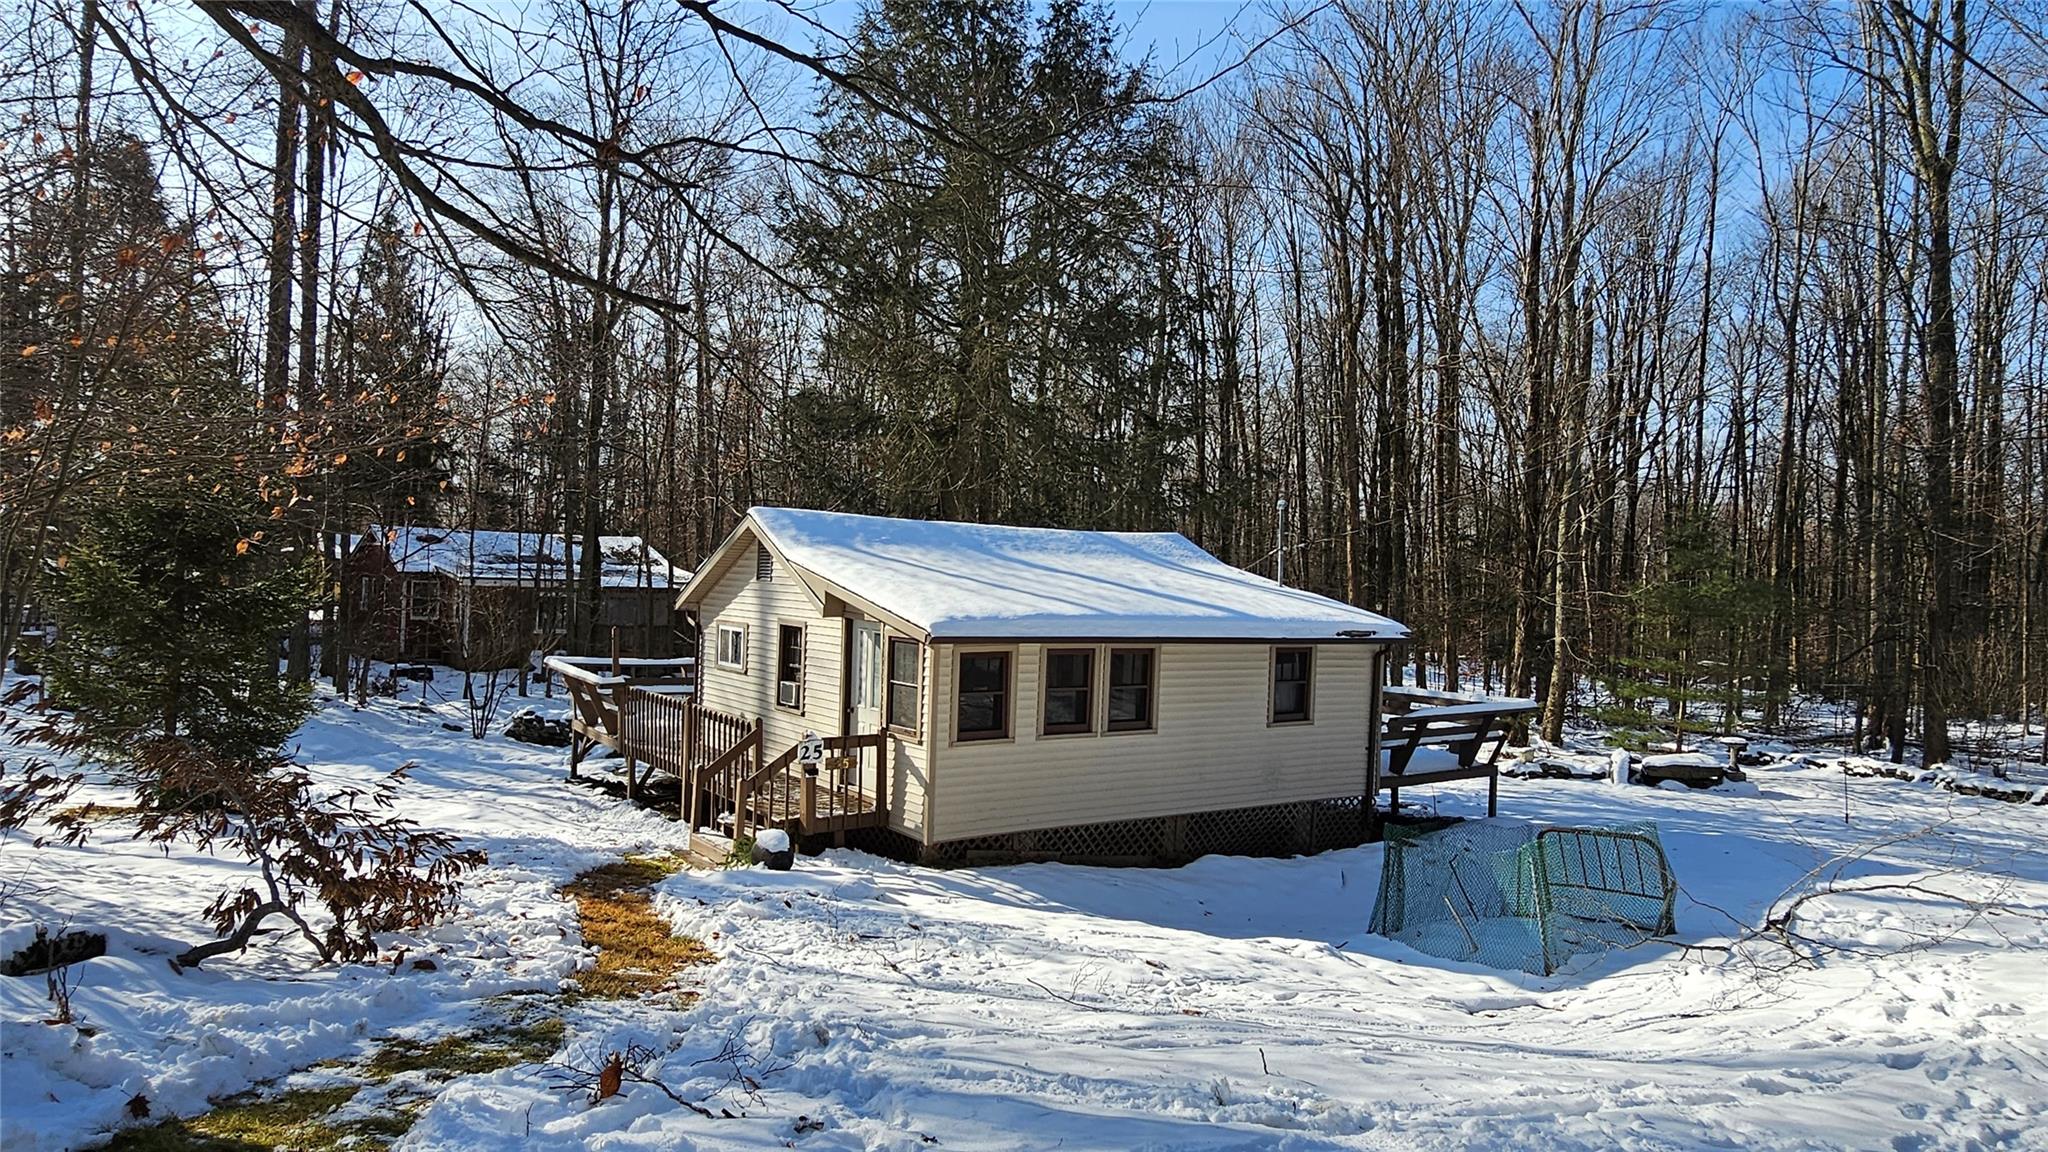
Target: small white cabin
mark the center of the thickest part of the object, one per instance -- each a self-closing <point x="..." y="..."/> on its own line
<point x="1030" y="691"/>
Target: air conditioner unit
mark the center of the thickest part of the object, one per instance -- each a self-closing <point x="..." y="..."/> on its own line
<point x="785" y="693"/>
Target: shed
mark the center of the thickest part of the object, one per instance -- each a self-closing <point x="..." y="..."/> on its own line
<point x="1029" y="692"/>
<point x="486" y="599"/>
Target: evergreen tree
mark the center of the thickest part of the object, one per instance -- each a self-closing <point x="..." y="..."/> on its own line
<point x="1694" y="622"/>
<point x="170" y="613"/>
<point x="992" y="351"/>
<point x="390" y="413"/>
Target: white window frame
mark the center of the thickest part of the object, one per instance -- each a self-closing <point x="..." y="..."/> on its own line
<point x="739" y="630"/>
<point x="914" y="730"/>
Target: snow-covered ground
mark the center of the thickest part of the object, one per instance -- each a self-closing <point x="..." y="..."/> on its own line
<point x="1231" y="1004"/>
<point x="178" y="1039"/>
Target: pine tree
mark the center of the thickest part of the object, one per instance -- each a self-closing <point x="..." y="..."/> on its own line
<point x="993" y="349"/>
<point x="390" y="415"/>
<point x="170" y="613"/>
<point x="1702" y="612"/>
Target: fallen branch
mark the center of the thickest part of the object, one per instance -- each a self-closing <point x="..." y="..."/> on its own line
<point x="608" y="1077"/>
<point x="1068" y="999"/>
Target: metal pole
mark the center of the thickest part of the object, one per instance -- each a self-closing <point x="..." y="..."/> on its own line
<point x="1280" y="541"/>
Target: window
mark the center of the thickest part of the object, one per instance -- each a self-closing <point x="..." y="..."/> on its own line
<point x="1130" y="688"/>
<point x="764" y="563"/>
<point x="551" y="611"/>
<point x="426" y="599"/>
<point x="789" y="667"/>
<point x="906" y="676"/>
<point x="1291" y="671"/>
<point x="867" y="667"/>
<point x="984" y="696"/>
<point x="1069" y="695"/>
<point x="732" y="647"/>
<point x="363" y="592"/>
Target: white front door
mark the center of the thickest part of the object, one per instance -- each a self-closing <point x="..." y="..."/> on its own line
<point x="864" y="678"/>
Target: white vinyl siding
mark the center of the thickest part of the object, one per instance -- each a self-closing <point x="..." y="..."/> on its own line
<point x="762" y="607"/>
<point x="741" y="598"/>
<point x="1213" y="747"/>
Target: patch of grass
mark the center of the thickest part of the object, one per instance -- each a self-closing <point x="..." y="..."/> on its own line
<point x="295" y="1120"/>
<point x="93" y="813"/>
<point x="470" y="1053"/>
<point x="301" y="1119"/>
<point x="637" y="953"/>
<point x="381" y="1131"/>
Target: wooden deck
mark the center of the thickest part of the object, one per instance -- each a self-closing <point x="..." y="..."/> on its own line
<point x="599" y="692"/>
<point x="718" y="763"/>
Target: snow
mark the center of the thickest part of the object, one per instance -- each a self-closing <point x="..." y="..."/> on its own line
<point x="1230" y="1004"/>
<point x="772" y="840"/>
<point x="957" y="581"/>
<point x="180" y="1039"/>
<point x="522" y="558"/>
<point x="1469" y="704"/>
<point x="1240" y="1004"/>
<point x="1683" y="760"/>
<point x="1423" y="759"/>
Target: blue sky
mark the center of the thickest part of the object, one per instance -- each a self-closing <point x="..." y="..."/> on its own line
<point x="1193" y="37"/>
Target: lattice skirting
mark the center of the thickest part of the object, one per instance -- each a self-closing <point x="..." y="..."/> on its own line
<point x="1272" y="830"/>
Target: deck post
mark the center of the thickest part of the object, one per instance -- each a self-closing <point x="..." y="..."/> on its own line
<point x="807" y="810"/>
<point x="1375" y="703"/>
<point x="882" y="750"/>
<point x="686" y="772"/>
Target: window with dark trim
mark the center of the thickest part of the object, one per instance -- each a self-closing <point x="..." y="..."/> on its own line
<point x="1069" y="690"/>
<point x="551" y="611"/>
<point x="426" y="599"/>
<point x="984" y="696"/>
<point x="1131" y="684"/>
<point x="906" y="677"/>
<point x="789" y="666"/>
<point x="1292" y="670"/>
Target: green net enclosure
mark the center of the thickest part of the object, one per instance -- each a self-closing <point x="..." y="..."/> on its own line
<point x="1514" y="895"/>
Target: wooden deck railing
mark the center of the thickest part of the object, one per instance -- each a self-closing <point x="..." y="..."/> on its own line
<point x="718" y="733"/>
<point x="709" y="784"/>
<point x="656" y="732"/>
<point x="848" y="790"/>
<point x="720" y="763"/>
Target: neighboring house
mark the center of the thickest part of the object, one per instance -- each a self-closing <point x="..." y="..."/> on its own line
<point x="1085" y="694"/>
<point x="487" y="599"/>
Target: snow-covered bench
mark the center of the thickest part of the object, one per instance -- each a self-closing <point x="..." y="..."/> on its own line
<point x="1434" y="738"/>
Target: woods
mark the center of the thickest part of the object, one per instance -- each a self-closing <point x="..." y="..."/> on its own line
<point x="1633" y="354"/>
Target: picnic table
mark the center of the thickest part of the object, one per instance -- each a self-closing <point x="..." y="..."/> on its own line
<point x="1436" y="737"/>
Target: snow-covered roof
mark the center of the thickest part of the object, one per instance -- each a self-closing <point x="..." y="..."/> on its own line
<point x="489" y="557"/>
<point x="990" y="581"/>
